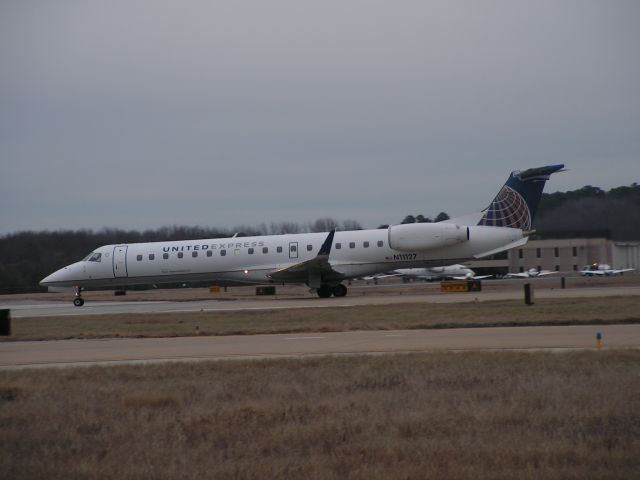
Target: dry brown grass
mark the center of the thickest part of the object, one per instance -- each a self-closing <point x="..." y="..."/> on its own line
<point x="383" y="317"/>
<point x="470" y="415"/>
<point x="150" y="400"/>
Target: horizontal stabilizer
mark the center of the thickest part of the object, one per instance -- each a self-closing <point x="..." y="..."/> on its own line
<point x="517" y="243"/>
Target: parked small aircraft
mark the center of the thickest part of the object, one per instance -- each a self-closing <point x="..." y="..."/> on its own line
<point x="602" y="270"/>
<point x="531" y="273"/>
<point x="455" y="272"/>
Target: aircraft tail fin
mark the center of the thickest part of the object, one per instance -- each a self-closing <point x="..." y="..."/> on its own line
<point x="517" y="201"/>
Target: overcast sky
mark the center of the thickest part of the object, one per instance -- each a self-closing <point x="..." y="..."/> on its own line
<point x="143" y="113"/>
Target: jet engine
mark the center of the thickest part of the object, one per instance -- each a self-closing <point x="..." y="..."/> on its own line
<point x="426" y="236"/>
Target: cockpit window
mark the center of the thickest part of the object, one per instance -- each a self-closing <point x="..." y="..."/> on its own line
<point x="93" y="257"/>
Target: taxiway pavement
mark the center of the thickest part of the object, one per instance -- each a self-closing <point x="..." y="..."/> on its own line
<point x="144" y="350"/>
<point x="31" y="308"/>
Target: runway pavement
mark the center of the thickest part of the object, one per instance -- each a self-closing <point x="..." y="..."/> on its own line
<point x="31" y="308"/>
<point x="116" y="351"/>
<point x="120" y="351"/>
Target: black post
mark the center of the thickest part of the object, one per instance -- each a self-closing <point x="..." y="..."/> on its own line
<point x="528" y="294"/>
<point x="5" y="322"/>
<point x="563" y="283"/>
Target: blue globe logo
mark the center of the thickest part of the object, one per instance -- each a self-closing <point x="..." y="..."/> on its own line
<point x="508" y="209"/>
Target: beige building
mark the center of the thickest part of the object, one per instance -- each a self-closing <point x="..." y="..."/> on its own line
<point x="564" y="255"/>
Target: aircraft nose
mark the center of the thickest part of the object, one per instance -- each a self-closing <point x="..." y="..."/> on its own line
<point x="59" y="277"/>
<point x="52" y="279"/>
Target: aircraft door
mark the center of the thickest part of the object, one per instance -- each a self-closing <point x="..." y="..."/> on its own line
<point x="120" y="261"/>
<point x="293" y="249"/>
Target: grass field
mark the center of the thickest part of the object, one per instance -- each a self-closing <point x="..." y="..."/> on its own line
<point x="383" y="317"/>
<point x="467" y="415"/>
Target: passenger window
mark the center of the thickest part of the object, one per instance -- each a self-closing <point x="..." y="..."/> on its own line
<point x="293" y="248"/>
<point x="223" y="253"/>
<point x="338" y="246"/>
<point x="165" y="256"/>
<point x="309" y="248"/>
<point x="380" y="243"/>
<point x="152" y="256"/>
<point x="365" y="244"/>
<point x="251" y="251"/>
<point x="180" y="254"/>
<point x="194" y="254"/>
<point x="352" y="244"/>
<point x="236" y="251"/>
<point x="139" y="258"/>
<point x="265" y="250"/>
<point x="279" y="249"/>
<point x="209" y="253"/>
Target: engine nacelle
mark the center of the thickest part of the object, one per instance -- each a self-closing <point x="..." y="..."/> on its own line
<point x="426" y="236"/>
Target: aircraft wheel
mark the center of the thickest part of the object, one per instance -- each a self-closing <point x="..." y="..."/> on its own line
<point x="78" y="302"/>
<point x="324" y="291"/>
<point x="339" y="290"/>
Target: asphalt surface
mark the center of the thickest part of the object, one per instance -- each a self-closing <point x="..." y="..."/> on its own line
<point x="32" y="308"/>
<point x="129" y="350"/>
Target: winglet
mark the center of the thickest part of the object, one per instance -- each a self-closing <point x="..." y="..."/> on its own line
<point x="326" y="246"/>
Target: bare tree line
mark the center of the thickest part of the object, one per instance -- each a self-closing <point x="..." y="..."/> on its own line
<point x="325" y="224"/>
<point x="591" y="212"/>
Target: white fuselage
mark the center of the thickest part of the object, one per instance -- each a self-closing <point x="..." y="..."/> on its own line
<point x="254" y="259"/>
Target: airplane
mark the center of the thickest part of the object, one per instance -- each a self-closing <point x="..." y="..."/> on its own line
<point x="531" y="273"/>
<point x="322" y="261"/>
<point x="455" y="272"/>
<point x="602" y="270"/>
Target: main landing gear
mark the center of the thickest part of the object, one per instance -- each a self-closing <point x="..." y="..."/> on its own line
<point x="325" y="291"/>
<point x="78" y="301"/>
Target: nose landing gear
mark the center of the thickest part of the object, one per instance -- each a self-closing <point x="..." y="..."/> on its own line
<point x="78" y="301"/>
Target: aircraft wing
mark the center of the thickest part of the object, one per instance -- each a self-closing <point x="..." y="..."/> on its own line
<point x="517" y="275"/>
<point x="545" y="272"/>
<point x="475" y="277"/>
<point x="311" y="271"/>
<point x="383" y="275"/>
<point x="616" y="272"/>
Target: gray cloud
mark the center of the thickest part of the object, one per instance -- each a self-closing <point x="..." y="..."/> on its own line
<point x="138" y="114"/>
